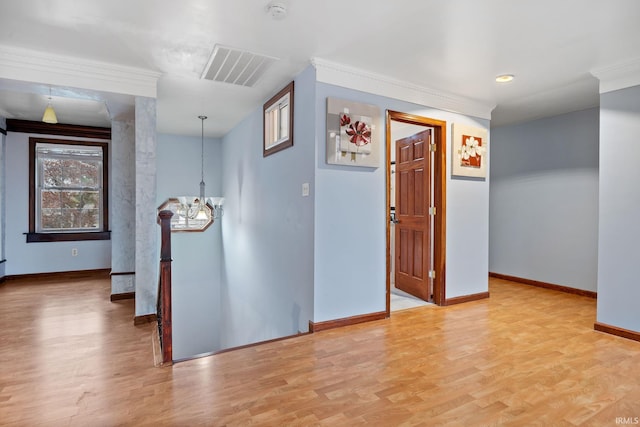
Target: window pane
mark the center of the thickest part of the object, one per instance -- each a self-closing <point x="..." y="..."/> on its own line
<point x="276" y="119"/>
<point x="274" y="125"/>
<point x="70" y="173"/>
<point x="53" y="219"/>
<point x="64" y="209"/>
<point x="271" y="127"/>
<point x="284" y="121"/>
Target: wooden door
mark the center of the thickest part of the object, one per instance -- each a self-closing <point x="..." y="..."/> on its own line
<point x="413" y="228"/>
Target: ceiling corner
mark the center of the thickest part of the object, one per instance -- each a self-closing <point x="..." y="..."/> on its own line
<point x="618" y="76"/>
<point x="341" y="75"/>
<point x="39" y="67"/>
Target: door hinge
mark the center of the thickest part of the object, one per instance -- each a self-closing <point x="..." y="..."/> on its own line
<point x="432" y="210"/>
<point x="432" y="147"/>
<point x="432" y="274"/>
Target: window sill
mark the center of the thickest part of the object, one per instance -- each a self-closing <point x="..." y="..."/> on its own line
<point x="67" y="237"/>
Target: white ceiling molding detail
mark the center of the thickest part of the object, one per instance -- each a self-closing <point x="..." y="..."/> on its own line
<point x="619" y="76"/>
<point x="353" y="78"/>
<point x="38" y="67"/>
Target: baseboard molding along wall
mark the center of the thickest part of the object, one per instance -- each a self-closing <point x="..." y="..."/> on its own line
<point x="353" y="320"/>
<point x="63" y="275"/>
<point x="144" y="319"/>
<point x="466" y="298"/>
<point x="123" y="296"/>
<point x="614" y="330"/>
<point x="545" y="285"/>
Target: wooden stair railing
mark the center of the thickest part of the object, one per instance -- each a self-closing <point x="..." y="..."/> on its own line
<point x="164" y="288"/>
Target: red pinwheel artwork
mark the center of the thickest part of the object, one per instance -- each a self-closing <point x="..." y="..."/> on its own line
<point x="359" y="133"/>
<point x="355" y="134"/>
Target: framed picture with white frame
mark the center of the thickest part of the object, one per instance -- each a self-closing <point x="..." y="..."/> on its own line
<point x="469" y="151"/>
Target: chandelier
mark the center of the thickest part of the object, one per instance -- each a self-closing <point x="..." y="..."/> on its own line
<point x="200" y="208"/>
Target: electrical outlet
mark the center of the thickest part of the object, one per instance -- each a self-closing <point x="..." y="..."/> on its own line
<point x="305" y="189"/>
<point x="74" y="252"/>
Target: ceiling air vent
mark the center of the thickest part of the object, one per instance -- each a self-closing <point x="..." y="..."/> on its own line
<point x="235" y="66"/>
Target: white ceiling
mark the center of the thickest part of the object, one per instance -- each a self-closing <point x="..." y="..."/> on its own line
<point x="453" y="46"/>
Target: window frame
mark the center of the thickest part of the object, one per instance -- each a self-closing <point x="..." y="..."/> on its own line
<point x="67" y="236"/>
<point x="273" y="141"/>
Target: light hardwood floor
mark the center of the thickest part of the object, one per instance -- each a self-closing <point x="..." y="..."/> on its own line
<point x="526" y="356"/>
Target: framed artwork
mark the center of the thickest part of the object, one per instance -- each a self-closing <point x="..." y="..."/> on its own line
<point x="278" y="121"/>
<point x="353" y="138"/>
<point x="469" y="155"/>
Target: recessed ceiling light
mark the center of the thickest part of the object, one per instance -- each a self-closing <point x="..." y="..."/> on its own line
<point x="504" y="78"/>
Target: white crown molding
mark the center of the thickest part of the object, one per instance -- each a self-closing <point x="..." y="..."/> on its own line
<point x="618" y="76"/>
<point x="353" y="78"/>
<point x="38" y="67"/>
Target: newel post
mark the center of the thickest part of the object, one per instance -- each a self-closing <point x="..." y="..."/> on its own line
<point x="165" y="285"/>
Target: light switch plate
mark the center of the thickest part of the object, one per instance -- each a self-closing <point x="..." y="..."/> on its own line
<point x="305" y="189"/>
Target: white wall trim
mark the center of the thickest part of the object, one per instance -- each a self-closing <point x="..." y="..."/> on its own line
<point x="618" y="76"/>
<point x="38" y="67"/>
<point x="354" y="78"/>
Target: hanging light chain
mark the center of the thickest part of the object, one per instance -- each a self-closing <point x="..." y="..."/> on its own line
<point x="202" y="189"/>
<point x="202" y="119"/>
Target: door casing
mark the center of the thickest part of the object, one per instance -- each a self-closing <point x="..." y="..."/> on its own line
<point x="439" y="188"/>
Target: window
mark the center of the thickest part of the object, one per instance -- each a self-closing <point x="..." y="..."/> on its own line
<point x="68" y="190"/>
<point x="278" y="121"/>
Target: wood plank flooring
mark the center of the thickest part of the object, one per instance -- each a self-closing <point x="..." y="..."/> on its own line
<point x="525" y="356"/>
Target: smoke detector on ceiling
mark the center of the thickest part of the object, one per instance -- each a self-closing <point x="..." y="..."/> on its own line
<point x="277" y="10"/>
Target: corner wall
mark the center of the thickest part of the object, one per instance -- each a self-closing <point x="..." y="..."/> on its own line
<point x="3" y="192"/>
<point x="619" y="228"/>
<point x="196" y="256"/>
<point x="287" y="259"/>
<point x="350" y="220"/>
<point x="41" y="257"/>
<point x="122" y="210"/>
<point x="267" y="229"/>
<point x="543" y="220"/>
<point x="147" y="250"/>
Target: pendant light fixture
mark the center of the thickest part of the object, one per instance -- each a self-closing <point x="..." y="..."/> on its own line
<point x="201" y="208"/>
<point x="202" y="214"/>
<point x="49" y="115"/>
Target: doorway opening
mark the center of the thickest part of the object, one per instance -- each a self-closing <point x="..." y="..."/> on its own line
<point x="416" y="176"/>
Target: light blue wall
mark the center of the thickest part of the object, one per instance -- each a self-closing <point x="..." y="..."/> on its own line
<point x="3" y="166"/>
<point x="122" y="206"/>
<point x="44" y="257"/>
<point x="286" y="259"/>
<point x="350" y="220"/>
<point x="196" y="256"/>
<point x="619" y="228"/>
<point x="267" y="276"/>
<point x="544" y="200"/>
<point x="146" y="262"/>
